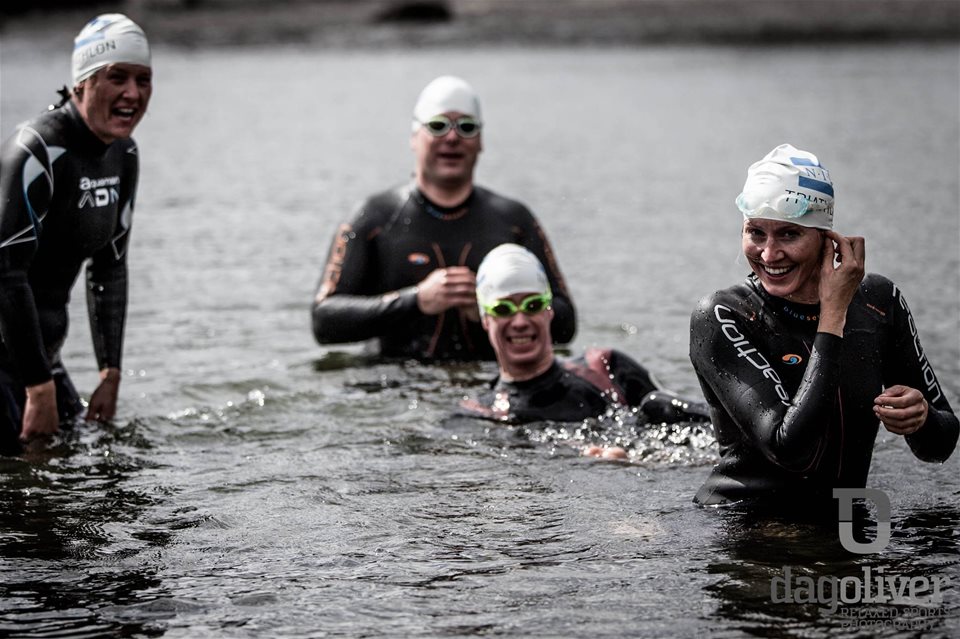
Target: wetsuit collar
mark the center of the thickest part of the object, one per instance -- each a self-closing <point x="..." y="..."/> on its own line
<point x="546" y="378"/>
<point x="443" y="212"/>
<point x="86" y="141"/>
<point x="804" y="314"/>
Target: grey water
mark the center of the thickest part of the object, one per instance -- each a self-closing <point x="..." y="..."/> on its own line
<point x="255" y="484"/>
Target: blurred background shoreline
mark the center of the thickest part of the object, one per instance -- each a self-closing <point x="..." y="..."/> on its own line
<point x="419" y="23"/>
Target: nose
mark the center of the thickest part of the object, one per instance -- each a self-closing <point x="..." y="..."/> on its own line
<point x="771" y="251"/>
<point x="519" y="320"/>
<point x="131" y="89"/>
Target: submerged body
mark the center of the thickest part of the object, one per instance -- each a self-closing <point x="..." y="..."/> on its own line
<point x="581" y="388"/>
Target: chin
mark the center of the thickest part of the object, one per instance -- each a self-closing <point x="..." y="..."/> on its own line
<point x="779" y="289"/>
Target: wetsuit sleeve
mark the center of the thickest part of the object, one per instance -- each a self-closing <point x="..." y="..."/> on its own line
<point x="344" y="308"/>
<point x="107" y="275"/>
<point x="26" y="189"/>
<point x="735" y="372"/>
<point x="907" y="364"/>
<point x="631" y="377"/>
<point x="564" y="324"/>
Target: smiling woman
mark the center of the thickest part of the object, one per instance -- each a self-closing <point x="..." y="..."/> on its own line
<point x="67" y="187"/>
<point x="802" y="362"/>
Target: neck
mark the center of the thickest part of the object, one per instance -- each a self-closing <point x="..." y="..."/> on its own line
<point x="444" y="195"/>
<point x="525" y="373"/>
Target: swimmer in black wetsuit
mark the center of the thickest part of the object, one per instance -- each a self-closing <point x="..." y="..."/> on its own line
<point x="403" y="269"/>
<point x="802" y="362"/>
<point x="514" y="297"/>
<point x="68" y="181"/>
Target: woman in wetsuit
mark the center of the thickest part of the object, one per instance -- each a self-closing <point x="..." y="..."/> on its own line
<point x="68" y="181"/>
<point x="803" y="361"/>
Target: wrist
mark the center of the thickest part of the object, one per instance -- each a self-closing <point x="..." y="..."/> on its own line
<point x="44" y="390"/>
<point x="110" y="375"/>
<point x="832" y="323"/>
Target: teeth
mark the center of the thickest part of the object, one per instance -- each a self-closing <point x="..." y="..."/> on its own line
<point x="776" y="271"/>
<point x="521" y="340"/>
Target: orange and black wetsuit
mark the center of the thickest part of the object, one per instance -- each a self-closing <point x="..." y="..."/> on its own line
<point x="394" y="241"/>
<point x="793" y="408"/>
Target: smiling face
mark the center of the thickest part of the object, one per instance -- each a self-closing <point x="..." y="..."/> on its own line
<point x="522" y="342"/>
<point x="114" y="99"/>
<point x="447" y="161"/>
<point x="786" y="258"/>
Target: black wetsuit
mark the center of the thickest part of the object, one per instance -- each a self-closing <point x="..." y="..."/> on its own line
<point x="65" y="197"/>
<point x="396" y="239"/>
<point x="577" y="389"/>
<point x="793" y="408"/>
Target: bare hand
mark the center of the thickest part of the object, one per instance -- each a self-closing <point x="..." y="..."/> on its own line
<point x="839" y="283"/>
<point x="103" y="401"/>
<point x="903" y="410"/>
<point x="446" y="288"/>
<point x="40" y="417"/>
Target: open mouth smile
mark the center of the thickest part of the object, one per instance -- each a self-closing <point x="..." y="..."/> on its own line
<point x="124" y="113"/>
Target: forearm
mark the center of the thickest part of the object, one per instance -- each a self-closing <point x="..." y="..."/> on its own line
<point x="937" y="438"/>
<point x="20" y="328"/>
<point x="107" y="310"/>
<point x="795" y="440"/>
<point x="352" y="318"/>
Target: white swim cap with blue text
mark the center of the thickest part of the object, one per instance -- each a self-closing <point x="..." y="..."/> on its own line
<point x="788" y="185"/>
<point x="108" y="39"/>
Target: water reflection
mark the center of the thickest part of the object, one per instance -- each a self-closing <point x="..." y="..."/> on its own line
<point x="80" y="539"/>
<point x="783" y="571"/>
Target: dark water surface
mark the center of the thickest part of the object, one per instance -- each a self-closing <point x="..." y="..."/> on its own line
<point x="257" y="485"/>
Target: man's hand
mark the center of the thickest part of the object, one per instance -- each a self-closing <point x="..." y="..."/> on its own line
<point x="903" y="410"/>
<point x="103" y="402"/>
<point x="40" y="417"/>
<point x="446" y="288"/>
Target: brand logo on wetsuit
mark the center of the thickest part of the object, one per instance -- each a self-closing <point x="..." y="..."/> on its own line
<point x="99" y="191"/>
<point x="748" y="352"/>
<point x="419" y="259"/>
<point x="928" y="377"/>
<point x="791" y="359"/>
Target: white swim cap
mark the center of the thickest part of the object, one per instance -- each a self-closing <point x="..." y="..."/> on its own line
<point x="507" y="270"/>
<point x="443" y="95"/>
<point x="107" y="39"/>
<point x="788" y="185"/>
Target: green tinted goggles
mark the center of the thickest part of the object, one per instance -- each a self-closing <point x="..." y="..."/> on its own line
<point x="529" y="306"/>
<point x="439" y="125"/>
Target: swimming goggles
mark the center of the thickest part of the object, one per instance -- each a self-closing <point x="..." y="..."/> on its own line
<point x="439" y="125"/>
<point x="529" y="306"/>
<point x="786" y="207"/>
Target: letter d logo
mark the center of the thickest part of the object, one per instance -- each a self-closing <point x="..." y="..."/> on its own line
<point x="881" y="501"/>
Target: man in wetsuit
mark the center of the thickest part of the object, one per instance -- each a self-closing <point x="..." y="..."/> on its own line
<point x="803" y="361"/>
<point x="68" y="180"/>
<point x="516" y="306"/>
<point x="403" y="269"/>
